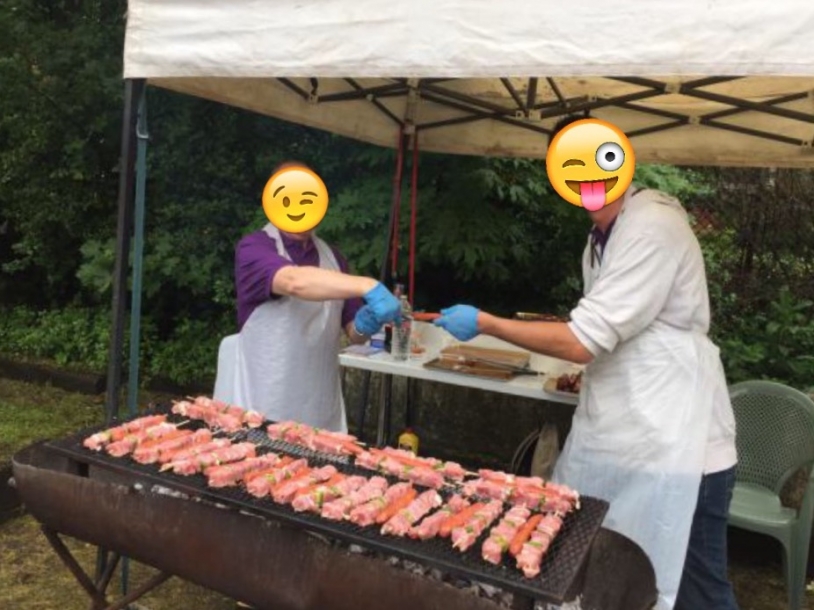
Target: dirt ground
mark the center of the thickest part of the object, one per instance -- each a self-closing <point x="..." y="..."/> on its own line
<point x="33" y="578"/>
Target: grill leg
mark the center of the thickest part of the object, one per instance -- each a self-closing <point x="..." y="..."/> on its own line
<point x="97" y="591"/>
<point x="70" y="562"/>
<point x="521" y="602"/>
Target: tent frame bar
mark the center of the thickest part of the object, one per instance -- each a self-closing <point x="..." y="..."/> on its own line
<point x="527" y="114"/>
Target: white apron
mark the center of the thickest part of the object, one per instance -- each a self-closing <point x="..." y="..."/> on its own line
<point x="639" y="436"/>
<point x="287" y="357"/>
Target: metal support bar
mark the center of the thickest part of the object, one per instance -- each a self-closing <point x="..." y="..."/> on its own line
<point x="132" y="92"/>
<point x="755" y="132"/>
<point x="693" y="84"/>
<point x="296" y="89"/>
<point x="515" y="95"/>
<point x="70" y="562"/>
<point x="364" y="92"/>
<point x="655" y="128"/>
<point x="497" y="116"/>
<point x="97" y="591"/>
<point x="749" y="105"/>
<point x="154" y="582"/>
<point x="104" y="581"/>
<point x="462" y="97"/>
<point x="678" y="120"/>
<point x="531" y="95"/>
<point x="560" y="97"/>
<point x="793" y="97"/>
<point x="612" y="101"/>
<point x="372" y="98"/>
<point x="480" y="116"/>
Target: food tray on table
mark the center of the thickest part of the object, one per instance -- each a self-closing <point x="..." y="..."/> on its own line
<point x="550" y="386"/>
<point x="558" y="571"/>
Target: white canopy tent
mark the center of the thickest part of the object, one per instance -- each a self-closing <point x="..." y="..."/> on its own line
<point x="701" y="82"/>
<point x="696" y="82"/>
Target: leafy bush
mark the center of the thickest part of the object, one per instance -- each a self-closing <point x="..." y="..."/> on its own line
<point x="70" y="337"/>
<point x="759" y="336"/>
<point x="190" y="355"/>
<point x="79" y="339"/>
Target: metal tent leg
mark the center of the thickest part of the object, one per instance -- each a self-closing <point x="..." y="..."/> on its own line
<point x="132" y="93"/>
<point x="392" y="229"/>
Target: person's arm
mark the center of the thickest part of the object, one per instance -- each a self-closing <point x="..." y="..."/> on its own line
<point x="316" y="284"/>
<point x="353" y="336"/>
<point x="626" y="299"/>
<point x="553" y="339"/>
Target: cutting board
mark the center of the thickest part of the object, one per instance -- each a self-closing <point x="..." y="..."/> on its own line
<point x="470" y="367"/>
<point x="485" y="355"/>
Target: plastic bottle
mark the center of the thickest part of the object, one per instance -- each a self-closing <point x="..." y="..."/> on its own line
<point x="408" y="440"/>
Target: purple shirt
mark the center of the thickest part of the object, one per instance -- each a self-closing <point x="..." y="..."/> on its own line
<point x="256" y="262"/>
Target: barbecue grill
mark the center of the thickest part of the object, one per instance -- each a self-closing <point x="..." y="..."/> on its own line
<point x="273" y="557"/>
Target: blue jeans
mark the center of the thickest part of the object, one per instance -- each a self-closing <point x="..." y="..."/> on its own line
<point x="704" y="583"/>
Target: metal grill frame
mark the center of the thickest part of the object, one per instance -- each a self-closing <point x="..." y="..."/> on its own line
<point x="559" y="569"/>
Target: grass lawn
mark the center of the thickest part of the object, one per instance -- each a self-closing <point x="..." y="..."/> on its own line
<point x="31" y="575"/>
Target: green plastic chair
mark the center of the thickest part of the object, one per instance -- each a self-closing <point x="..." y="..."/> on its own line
<point x="775" y="438"/>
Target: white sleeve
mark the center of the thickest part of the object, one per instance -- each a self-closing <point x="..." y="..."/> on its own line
<point x="630" y="293"/>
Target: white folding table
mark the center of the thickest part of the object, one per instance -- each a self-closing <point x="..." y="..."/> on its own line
<point x="433" y="339"/>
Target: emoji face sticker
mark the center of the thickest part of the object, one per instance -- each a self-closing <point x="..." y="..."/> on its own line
<point x="590" y="163"/>
<point x="295" y="199"/>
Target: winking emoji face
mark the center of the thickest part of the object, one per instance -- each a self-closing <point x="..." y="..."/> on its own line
<point x="590" y="163"/>
<point x="295" y="199"/>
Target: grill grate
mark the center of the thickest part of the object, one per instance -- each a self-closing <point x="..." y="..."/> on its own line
<point x="559" y="568"/>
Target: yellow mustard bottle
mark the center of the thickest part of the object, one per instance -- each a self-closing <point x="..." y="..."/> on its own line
<point x="409" y="441"/>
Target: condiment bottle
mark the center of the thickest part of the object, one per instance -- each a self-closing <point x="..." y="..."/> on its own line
<point x="408" y="441"/>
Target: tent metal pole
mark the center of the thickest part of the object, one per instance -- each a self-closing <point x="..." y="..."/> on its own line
<point x="132" y="92"/>
<point x="142" y="138"/>
<point x="393" y="220"/>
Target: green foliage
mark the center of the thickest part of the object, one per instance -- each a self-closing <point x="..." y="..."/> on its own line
<point x="70" y="337"/>
<point x="59" y="123"/>
<point x="770" y="337"/>
<point x="490" y="232"/>
<point x="685" y="184"/>
<point x="189" y="355"/>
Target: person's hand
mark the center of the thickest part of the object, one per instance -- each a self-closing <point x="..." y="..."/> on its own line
<point x="461" y="321"/>
<point x="383" y="304"/>
<point x="365" y="323"/>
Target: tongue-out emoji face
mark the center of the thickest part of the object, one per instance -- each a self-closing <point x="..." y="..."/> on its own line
<point x="590" y="163"/>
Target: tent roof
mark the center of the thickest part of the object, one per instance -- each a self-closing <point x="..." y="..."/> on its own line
<point x="706" y="82"/>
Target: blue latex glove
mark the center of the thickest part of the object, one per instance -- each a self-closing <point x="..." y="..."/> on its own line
<point x="365" y="322"/>
<point x="461" y="321"/>
<point x="383" y="304"/>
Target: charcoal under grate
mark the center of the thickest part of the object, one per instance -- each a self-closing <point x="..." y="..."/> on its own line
<point x="559" y="568"/>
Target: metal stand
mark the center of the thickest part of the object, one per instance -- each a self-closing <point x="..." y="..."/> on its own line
<point x="96" y="590"/>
